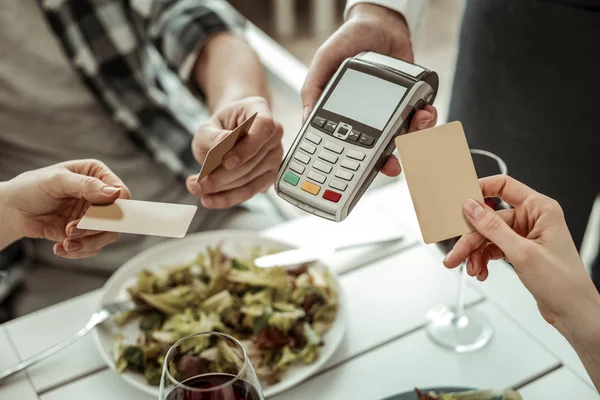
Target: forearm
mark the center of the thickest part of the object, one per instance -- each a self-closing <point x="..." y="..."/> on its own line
<point x="8" y="233"/>
<point x="228" y="70"/>
<point x="583" y="333"/>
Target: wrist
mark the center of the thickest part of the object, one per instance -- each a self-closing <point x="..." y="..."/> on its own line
<point x="581" y="326"/>
<point x="229" y="70"/>
<point x="234" y="95"/>
<point x="9" y="231"/>
<point x="379" y="15"/>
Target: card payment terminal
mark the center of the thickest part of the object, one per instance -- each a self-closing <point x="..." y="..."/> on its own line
<point x="350" y="133"/>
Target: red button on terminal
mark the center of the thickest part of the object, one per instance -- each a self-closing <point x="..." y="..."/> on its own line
<point x="332" y="196"/>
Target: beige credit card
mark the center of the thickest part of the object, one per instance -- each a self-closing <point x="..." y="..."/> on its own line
<point x="440" y="175"/>
<point x="140" y="217"/>
<point x="214" y="157"/>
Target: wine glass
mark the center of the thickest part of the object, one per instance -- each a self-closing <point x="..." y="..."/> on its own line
<point x="208" y="366"/>
<point x="454" y="327"/>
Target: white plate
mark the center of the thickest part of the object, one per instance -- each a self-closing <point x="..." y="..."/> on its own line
<point x="235" y="243"/>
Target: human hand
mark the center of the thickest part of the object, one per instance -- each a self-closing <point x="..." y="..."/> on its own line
<point x="49" y="202"/>
<point x="250" y="167"/>
<point x="535" y="239"/>
<point x="369" y="28"/>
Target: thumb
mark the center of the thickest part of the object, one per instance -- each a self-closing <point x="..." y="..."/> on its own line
<point x="88" y="188"/>
<point x="489" y="224"/>
<point x="324" y="65"/>
<point x="310" y="96"/>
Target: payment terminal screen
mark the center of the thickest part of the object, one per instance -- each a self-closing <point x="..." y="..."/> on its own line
<point x="365" y="98"/>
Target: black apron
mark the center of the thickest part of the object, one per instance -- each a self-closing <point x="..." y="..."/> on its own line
<point x="527" y="87"/>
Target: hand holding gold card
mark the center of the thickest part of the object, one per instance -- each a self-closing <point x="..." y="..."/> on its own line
<point x="441" y="176"/>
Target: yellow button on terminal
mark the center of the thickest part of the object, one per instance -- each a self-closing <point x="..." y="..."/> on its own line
<point x="311" y="188"/>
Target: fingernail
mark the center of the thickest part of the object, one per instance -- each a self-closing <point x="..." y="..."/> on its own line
<point x="425" y="123"/>
<point x="473" y="209"/>
<point x="448" y="255"/>
<point x="109" y="190"/>
<point x="73" y="245"/>
<point x="469" y="267"/>
<point x="232" y="162"/>
<point x="75" y="232"/>
<point x="207" y="201"/>
<point x="59" y="251"/>
<point x="305" y="113"/>
<point x="422" y="124"/>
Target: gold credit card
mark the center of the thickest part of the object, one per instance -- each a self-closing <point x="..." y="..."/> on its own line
<point x="440" y="176"/>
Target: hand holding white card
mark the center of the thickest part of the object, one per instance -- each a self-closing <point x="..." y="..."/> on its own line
<point x="441" y="176"/>
<point x="140" y="217"/>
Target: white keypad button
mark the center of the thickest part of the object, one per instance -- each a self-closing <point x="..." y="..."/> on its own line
<point x="332" y="158"/>
<point x="303" y="158"/>
<point x="312" y="137"/>
<point x="294" y="166"/>
<point x="309" y="148"/>
<point x="322" y="167"/>
<point x="339" y="185"/>
<point x="336" y="148"/>
<point x="357" y="155"/>
<point x="344" y="174"/>
<point x="316" y="177"/>
<point x="350" y="165"/>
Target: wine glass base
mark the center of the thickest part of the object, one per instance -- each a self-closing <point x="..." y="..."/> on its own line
<point x="463" y="334"/>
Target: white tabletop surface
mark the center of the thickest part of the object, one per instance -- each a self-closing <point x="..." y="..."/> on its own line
<point x="19" y="386"/>
<point x="385" y="351"/>
<point x="560" y="384"/>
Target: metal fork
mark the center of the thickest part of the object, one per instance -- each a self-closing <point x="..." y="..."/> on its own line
<point x="97" y="318"/>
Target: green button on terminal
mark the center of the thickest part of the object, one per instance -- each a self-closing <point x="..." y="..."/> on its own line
<point x="291" y="178"/>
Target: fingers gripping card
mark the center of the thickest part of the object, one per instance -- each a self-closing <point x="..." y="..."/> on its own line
<point x="441" y="176"/>
<point x="214" y="157"/>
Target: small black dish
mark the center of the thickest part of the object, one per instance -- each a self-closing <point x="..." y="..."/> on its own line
<point x="441" y="389"/>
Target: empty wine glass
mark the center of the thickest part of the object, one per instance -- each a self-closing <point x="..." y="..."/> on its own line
<point x="208" y="366"/>
<point x="454" y="327"/>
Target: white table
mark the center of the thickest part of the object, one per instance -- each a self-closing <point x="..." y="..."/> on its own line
<point x="385" y="350"/>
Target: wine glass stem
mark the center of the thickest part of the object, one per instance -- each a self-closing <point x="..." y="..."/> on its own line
<point x="460" y="298"/>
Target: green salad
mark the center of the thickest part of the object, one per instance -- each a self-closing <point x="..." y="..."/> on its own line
<point x="280" y="315"/>
<point x="470" y="395"/>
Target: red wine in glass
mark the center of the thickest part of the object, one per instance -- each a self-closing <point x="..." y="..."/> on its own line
<point x="215" y="386"/>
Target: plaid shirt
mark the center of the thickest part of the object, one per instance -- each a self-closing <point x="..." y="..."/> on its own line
<point x="137" y="57"/>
